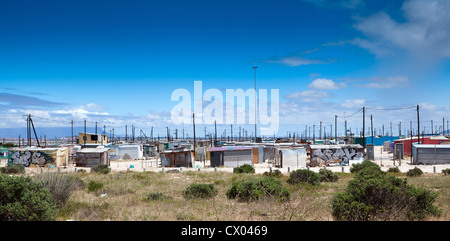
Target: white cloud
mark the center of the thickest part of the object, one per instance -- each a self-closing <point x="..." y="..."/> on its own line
<point x="354" y="103"/>
<point x="337" y="3"/>
<point x="387" y="83"/>
<point x="308" y="95"/>
<point x="79" y="112"/>
<point x="94" y="107"/>
<point x="296" y="61"/>
<point x="425" y="31"/>
<point x="326" y="84"/>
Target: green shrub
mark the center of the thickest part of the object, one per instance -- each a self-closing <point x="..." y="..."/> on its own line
<point x="22" y="199"/>
<point x="359" y="166"/>
<point x="246" y="168"/>
<point x="307" y="176"/>
<point x="100" y="168"/>
<point x="13" y="168"/>
<point x="328" y="176"/>
<point x="252" y="190"/>
<point x="372" y="195"/>
<point x="414" y="172"/>
<point x="60" y="186"/>
<point x="157" y="196"/>
<point x="200" y="191"/>
<point x="393" y="169"/>
<point x="94" y="186"/>
<point x="275" y="173"/>
<point x="446" y="171"/>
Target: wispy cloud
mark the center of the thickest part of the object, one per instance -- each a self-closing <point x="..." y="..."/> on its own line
<point x="387" y="83"/>
<point x="23" y="101"/>
<point x="326" y="84"/>
<point x="296" y="61"/>
<point x="307" y="96"/>
<point x="425" y="31"/>
<point x="337" y="3"/>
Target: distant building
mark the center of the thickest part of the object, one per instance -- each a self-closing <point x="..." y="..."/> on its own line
<point x="92" y="138"/>
<point x="89" y="157"/>
<point x="234" y="156"/>
<point x="127" y="151"/>
<point x="27" y="156"/>
<point x="429" y="154"/>
<point x="177" y="158"/>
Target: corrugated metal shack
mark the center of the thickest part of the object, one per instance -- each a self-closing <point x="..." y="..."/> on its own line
<point x="432" y="140"/>
<point x="234" y="156"/>
<point x="127" y="151"/>
<point x="27" y="156"/>
<point x="89" y="157"/>
<point x="424" y="154"/>
<point x="177" y="158"/>
<point x="331" y="155"/>
<point x="294" y="158"/>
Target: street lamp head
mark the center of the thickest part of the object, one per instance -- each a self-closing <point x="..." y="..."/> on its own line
<point x="255" y="67"/>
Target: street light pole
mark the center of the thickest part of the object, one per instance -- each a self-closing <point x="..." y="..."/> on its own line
<point x="255" y="67"/>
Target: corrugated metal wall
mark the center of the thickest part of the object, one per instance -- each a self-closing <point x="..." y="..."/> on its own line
<point x="431" y="155"/>
<point x="237" y="158"/>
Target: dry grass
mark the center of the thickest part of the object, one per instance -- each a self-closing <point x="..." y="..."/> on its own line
<point x="126" y="198"/>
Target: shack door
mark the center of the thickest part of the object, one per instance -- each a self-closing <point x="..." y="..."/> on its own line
<point x="255" y="158"/>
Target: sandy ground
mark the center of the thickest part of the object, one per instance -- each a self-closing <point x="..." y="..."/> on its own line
<point x="384" y="159"/>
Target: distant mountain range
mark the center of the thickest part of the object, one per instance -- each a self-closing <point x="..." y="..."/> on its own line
<point x="50" y="132"/>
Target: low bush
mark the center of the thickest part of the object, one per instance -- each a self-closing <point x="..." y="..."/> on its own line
<point x="359" y="166"/>
<point x="22" y="199"/>
<point x="94" y="186"/>
<point x="200" y="191"/>
<point x="303" y="175"/>
<point x="328" y="176"/>
<point x="393" y="169"/>
<point x="100" y="168"/>
<point x="416" y="172"/>
<point x="60" y="186"/>
<point x="275" y="173"/>
<point x="13" y="168"/>
<point x="252" y="190"/>
<point x="246" y="168"/>
<point x="372" y="195"/>
<point x="446" y="171"/>
<point x="157" y="196"/>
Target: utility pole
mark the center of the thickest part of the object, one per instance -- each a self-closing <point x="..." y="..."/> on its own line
<point x="231" y="132"/>
<point x="335" y="129"/>
<point x="371" y="127"/>
<point x="215" y="133"/>
<point x="364" y="127"/>
<point x="314" y="134"/>
<point x="346" y="135"/>
<point x="72" y="131"/>
<point x="418" y="126"/>
<point x="126" y="134"/>
<point x="84" y="137"/>
<point x="254" y="67"/>
<point x="432" y="133"/>
<point x="320" y="133"/>
<point x="443" y="120"/>
<point x="193" y="123"/>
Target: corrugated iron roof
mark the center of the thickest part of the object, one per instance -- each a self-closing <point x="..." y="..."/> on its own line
<point x="93" y="150"/>
<point x="230" y="148"/>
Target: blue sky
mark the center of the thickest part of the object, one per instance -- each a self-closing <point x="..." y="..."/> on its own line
<point x="117" y="62"/>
